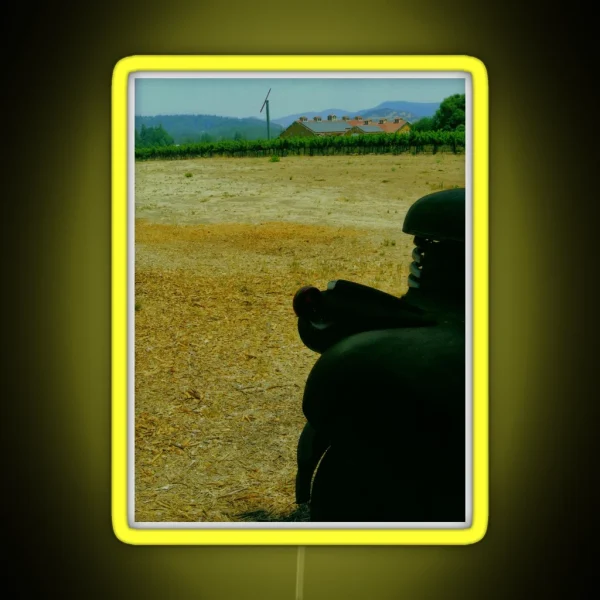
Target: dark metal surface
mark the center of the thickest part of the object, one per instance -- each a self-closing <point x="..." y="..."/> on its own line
<point x="385" y="401"/>
<point x="311" y="448"/>
<point x="438" y="216"/>
<point x="347" y="308"/>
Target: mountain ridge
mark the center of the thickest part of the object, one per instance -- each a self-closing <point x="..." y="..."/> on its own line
<point x="192" y="128"/>
<point x="409" y="111"/>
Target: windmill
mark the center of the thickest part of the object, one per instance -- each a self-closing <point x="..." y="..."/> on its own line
<point x="266" y="103"/>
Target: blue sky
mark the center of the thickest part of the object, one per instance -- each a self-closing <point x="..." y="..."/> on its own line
<point x="244" y="97"/>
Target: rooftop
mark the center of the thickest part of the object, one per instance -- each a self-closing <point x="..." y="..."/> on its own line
<point x="327" y="126"/>
<point x="370" y="128"/>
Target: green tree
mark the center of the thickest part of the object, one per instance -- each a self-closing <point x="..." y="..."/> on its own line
<point x="162" y="137"/>
<point x="424" y="124"/>
<point x="151" y="137"/>
<point x="450" y="114"/>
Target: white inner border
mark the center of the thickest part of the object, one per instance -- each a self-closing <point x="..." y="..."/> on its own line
<point x="131" y="293"/>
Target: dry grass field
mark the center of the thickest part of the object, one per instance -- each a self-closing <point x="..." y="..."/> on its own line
<point x="222" y="245"/>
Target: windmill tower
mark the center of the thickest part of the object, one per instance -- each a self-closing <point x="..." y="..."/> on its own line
<point x="266" y="103"/>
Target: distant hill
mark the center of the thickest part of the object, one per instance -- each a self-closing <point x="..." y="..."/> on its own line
<point x="185" y="129"/>
<point x="409" y="111"/>
<point x="418" y="109"/>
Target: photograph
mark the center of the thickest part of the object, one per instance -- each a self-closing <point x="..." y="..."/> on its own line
<point x="299" y="300"/>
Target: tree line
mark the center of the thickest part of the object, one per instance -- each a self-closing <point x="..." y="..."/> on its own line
<point x="450" y="116"/>
<point x="153" y="141"/>
<point x="192" y="129"/>
<point x="384" y="143"/>
<point x="152" y="137"/>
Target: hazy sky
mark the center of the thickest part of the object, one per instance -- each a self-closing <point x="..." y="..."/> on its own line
<point x="245" y="97"/>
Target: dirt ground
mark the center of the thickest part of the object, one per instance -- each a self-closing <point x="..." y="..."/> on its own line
<point x="219" y="366"/>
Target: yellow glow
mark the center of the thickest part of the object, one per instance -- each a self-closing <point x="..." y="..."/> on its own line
<point x="303" y="537"/>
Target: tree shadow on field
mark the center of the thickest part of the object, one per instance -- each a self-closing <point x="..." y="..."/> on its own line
<point x="301" y="514"/>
